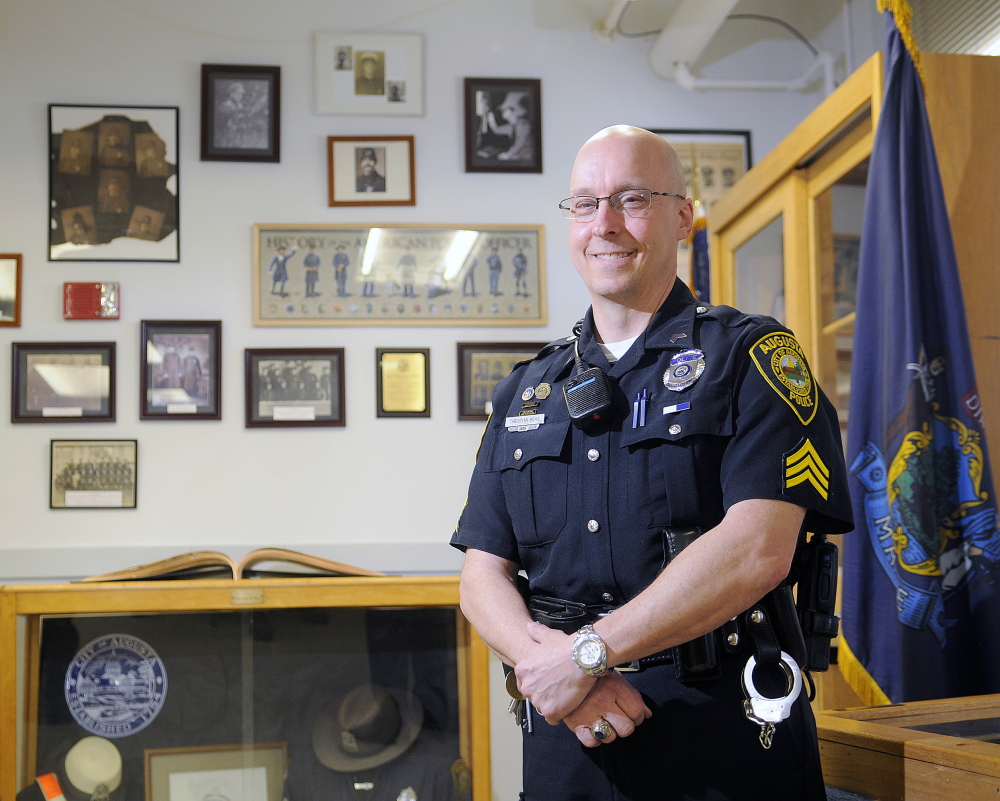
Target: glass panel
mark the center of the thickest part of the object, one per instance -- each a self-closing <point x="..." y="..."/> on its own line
<point x="760" y="272"/>
<point x="984" y="729"/>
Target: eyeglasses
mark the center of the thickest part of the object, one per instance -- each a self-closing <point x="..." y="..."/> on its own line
<point x="632" y="202"/>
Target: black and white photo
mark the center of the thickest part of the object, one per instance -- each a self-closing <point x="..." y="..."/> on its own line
<point x="240" y="113"/>
<point x="503" y="125"/>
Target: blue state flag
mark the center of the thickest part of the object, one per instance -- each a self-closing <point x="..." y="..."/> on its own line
<point x="921" y="578"/>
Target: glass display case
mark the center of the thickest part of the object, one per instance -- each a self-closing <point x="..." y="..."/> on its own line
<point x="259" y="689"/>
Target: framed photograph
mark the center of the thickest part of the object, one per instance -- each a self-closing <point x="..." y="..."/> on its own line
<point x="181" y="370"/>
<point x="294" y="387"/>
<point x="63" y="382"/>
<point x="235" y="772"/>
<point x="503" y="125"/>
<point x="846" y="253"/>
<point x="480" y="366"/>
<point x="403" y="382"/>
<point x="113" y="191"/>
<point x="93" y="474"/>
<point x="361" y="73"/>
<point x="240" y="113"/>
<point x="713" y="160"/>
<point x="371" y="171"/>
<point x="326" y="274"/>
<point x="10" y="290"/>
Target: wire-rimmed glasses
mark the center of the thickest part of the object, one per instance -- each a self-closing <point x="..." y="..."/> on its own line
<point x="633" y="202"/>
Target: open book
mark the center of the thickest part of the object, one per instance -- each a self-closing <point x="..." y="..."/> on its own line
<point x="215" y="564"/>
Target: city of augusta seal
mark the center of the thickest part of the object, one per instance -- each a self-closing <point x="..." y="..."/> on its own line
<point x="782" y="362"/>
<point x="115" y="685"/>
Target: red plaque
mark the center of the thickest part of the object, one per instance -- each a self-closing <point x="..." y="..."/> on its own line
<point x="88" y="301"/>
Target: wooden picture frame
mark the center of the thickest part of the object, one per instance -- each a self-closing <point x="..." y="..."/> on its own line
<point x="394" y="274"/>
<point x="481" y="365"/>
<point x="403" y="382"/>
<point x="10" y="290"/>
<point x="503" y="125"/>
<point x="369" y="74"/>
<point x="371" y="171"/>
<point x="240" y="113"/>
<point x="62" y="382"/>
<point x="113" y="183"/>
<point x="294" y="387"/>
<point x="180" y="370"/>
<point x="242" y="771"/>
<point x="93" y="473"/>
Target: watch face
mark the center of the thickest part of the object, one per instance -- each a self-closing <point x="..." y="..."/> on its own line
<point x="590" y="653"/>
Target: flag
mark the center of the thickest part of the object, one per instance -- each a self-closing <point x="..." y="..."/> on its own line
<point x="921" y="596"/>
<point x="698" y="242"/>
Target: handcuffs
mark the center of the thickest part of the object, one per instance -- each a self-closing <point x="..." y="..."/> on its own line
<point x="767" y="712"/>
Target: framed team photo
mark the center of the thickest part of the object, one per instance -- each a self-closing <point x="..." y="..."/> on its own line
<point x="181" y="370"/>
<point x="481" y="365"/>
<point x="93" y="473"/>
<point x="240" y="113"/>
<point x="294" y="387"/>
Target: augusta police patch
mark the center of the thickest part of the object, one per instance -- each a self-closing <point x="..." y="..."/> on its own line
<point x="780" y="359"/>
<point x="116" y="685"/>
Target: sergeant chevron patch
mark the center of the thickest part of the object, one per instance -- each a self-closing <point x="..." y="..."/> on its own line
<point x="805" y="466"/>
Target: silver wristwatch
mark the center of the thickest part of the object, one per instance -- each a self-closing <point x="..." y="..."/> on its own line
<point x="590" y="653"/>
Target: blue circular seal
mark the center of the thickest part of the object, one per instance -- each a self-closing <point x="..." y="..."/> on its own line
<point x="116" y="685"/>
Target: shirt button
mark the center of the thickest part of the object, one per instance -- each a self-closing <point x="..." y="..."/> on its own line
<point x="607" y="597"/>
<point x="518" y="454"/>
<point x="702" y="309"/>
<point x="593" y="526"/>
<point x="593" y="454"/>
<point x="674" y="429"/>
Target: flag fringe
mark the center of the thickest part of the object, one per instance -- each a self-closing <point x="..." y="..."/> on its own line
<point x="857" y="677"/>
<point x="903" y="15"/>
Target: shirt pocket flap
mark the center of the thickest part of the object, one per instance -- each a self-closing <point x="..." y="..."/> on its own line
<point x="708" y="416"/>
<point x="516" y="449"/>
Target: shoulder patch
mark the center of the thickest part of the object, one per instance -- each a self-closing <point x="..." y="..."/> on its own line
<point x="804" y="465"/>
<point x="782" y="362"/>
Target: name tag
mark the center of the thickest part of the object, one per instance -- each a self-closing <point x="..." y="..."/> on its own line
<point x="528" y="422"/>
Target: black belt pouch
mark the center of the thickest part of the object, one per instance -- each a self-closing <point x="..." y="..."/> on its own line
<point x="697" y="659"/>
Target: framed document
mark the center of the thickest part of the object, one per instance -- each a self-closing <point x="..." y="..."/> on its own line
<point x="403" y="382"/>
<point x="93" y="474"/>
<point x="250" y="772"/>
<point x="294" y="387"/>
<point x="63" y="382"/>
<point x="181" y="370"/>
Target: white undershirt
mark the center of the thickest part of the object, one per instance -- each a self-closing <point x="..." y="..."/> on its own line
<point x="615" y="350"/>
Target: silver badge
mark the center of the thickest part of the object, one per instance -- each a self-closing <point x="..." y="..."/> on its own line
<point x="685" y="368"/>
<point x="528" y="394"/>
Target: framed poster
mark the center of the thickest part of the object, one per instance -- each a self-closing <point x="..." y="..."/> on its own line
<point x="361" y="73"/>
<point x="403" y="382"/>
<point x="251" y="772"/>
<point x="181" y="370"/>
<point x="294" y="387"/>
<point x="93" y="473"/>
<point x="240" y="113"/>
<point x="113" y="191"/>
<point x="371" y="171"/>
<point x="399" y="274"/>
<point x="10" y="290"/>
<point x="63" y="382"/>
<point x="713" y="159"/>
<point x="503" y="125"/>
<point x="481" y="365"/>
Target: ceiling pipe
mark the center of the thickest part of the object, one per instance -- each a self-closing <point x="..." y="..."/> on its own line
<point x="684" y="38"/>
<point x="823" y="63"/>
<point x="605" y="29"/>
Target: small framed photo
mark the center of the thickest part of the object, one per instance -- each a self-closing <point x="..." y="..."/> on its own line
<point x="503" y="125"/>
<point x="181" y="370"/>
<point x="113" y="183"/>
<point x="63" y="382"/>
<point x="481" y="365"/>
<point x="10" y="290"/>
<point x="294" y="387"/>
<point x="403" y="382"/>
<point x="93" y="474"/>
<point x="253" y="772"/>
<point x="240" y="113"/>
<point x="361" y="73"/>
<point x="371" y="171"/>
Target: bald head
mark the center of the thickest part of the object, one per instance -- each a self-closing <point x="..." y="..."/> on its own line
<point x="660" y="161"/>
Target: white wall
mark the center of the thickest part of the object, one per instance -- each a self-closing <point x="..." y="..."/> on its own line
<point x="379" y="492"/>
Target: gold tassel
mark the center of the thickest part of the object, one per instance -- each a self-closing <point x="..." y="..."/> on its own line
<point x="903" y="15"/>
<point x="857" y="677"/>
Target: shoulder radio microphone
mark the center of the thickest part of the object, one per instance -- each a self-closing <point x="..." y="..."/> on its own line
<point x="588" y="395"/>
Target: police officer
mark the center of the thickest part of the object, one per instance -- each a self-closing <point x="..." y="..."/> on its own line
<point x="713" y="420"/>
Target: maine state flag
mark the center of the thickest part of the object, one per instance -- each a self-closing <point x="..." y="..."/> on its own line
<point x="921" y="578"/>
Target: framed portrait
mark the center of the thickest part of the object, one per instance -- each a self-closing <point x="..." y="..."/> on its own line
<point x="481" y="365"/>
<point x="181" y="370"/>
<point x="399" y="274"/>
<point x="113" y="183"/>
<point x="371" y="171"/>
<point x="503" y="125"/>
<point x="403" y="382"/>
<point x="10" y="290"/>
<point x="713" y="160"/>
<point x="93" y="473"/>
<point x="253" y="772"/>
<point x="361" y="73"/>
<point x="240" y="113"/>
<point x="294" y="387"/>
<point x="63" y="382"/>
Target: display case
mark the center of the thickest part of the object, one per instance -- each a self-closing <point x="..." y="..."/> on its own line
<point x="284" y="688"/>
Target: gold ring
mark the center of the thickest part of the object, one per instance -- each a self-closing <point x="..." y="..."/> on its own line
<point x="601" y="729"/>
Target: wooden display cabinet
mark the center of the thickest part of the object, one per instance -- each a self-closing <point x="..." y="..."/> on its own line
<point x="241" y="662"/>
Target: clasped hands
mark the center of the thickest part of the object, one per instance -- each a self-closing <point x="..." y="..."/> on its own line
<point x="562" y="693"/>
